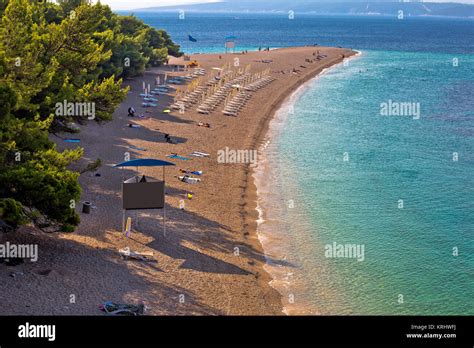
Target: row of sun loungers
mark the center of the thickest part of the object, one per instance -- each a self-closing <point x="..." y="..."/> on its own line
<point x="240" y="100"/>
<point x="197" y="94"/>
<point x="219" y="88"/>
<point x="254" y="86"/>
<point x="190" y="99"/>
<point x="197" y="72"/>
<point x="237" y="103"/>
<point x="219" y="96"/>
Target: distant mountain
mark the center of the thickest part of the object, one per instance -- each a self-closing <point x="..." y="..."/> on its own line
<point x="356" y="7"/>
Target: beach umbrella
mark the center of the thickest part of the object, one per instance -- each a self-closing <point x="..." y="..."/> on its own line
<point x="144" y="162"/>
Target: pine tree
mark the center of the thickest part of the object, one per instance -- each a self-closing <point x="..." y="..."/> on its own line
<point x="49" y="53"/>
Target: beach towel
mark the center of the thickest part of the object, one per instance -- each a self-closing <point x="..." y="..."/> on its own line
<point x="188" y="179"/>
<point x="149" y="105"/>
<point x="166" y="111"/>
<point x="72" y="140"/>
<point x="112" y="308"/>
<point x="173" y="155"/>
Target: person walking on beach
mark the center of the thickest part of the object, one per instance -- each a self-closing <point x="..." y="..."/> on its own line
<point x="131" y="111"/>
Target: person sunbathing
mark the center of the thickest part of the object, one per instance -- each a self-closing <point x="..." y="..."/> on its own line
<point x="202" y="124"/>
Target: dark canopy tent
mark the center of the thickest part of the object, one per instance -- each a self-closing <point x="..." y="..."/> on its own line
<point x="143" y="194"/>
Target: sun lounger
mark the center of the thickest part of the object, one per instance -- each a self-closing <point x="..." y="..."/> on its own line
<point x="200" y="154"/>
<point x="126" y="253"/>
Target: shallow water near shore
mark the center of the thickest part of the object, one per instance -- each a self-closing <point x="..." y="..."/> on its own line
<point x="312" y="197"/>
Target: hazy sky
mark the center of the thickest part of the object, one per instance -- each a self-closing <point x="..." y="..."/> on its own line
<point x="129" y="4"/>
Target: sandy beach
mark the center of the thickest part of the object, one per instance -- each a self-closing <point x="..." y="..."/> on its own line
<point x="210" y="262"/>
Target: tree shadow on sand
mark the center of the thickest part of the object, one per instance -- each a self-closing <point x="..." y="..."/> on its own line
<point x="204" y="234"/>
<point x="92" y="275"/>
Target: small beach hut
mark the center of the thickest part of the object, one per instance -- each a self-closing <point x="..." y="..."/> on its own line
<point x="177" y="63"/>
<point x="140" y="192"/>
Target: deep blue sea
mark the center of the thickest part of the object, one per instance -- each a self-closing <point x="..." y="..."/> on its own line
<point x="337" y="170"/>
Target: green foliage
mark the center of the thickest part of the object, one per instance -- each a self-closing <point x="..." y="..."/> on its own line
<point x="32" y="172"/>
<point x="67" y="6"/>
<point x="173" y="49"/>
<point x="11" y="212"/>
<point x="151" y="44"/>
<point x="49" y="53"/>
<point x="44" y="182"/>
<point x="67" y="228"/>
<point x="107" y="95"/>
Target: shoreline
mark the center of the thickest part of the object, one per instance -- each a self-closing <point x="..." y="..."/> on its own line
<point x="252" y="212"/>
<point x="259" y="172"/>
<point x="211" y="261"/>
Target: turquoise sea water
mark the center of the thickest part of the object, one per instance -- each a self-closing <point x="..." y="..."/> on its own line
<point x="311" y="197"/>
<point x="408" y="251"/>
